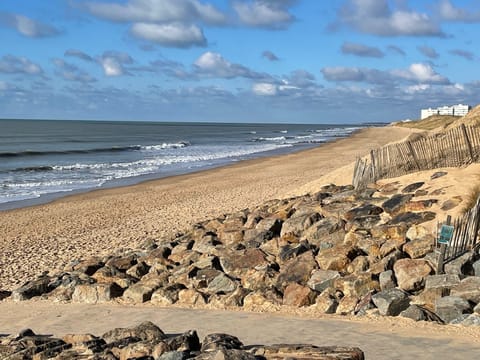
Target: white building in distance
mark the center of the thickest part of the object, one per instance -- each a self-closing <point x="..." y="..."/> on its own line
<point x="454" y="110"/>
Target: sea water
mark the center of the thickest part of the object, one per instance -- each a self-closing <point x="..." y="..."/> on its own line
<point x="43" y="159"/>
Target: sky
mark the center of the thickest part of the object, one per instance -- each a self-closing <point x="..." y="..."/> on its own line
<point x="257" y="61"/>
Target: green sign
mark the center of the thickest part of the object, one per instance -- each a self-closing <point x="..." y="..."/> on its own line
<point x="446" y="234"/>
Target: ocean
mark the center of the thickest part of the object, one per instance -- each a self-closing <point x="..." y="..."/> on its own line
<point x="42" y="159"/>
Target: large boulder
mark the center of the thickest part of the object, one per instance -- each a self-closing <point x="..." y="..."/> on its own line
<point x="32" y="288"/>
<point x="298" y="295"/>
<point x="322" y="279"/>
<point x="297" y="270"/>
<point x="237" y="263"/>
<point x="96" y="293"/>
<point x="411" y="273"/>
<point x="396" y="204"/>
<point x="419" y="247"/>
<point x="391" y="302"/>
<point x="449" y="308"/>
<point x="296" y="224"/>
<point x="468" y="289"/>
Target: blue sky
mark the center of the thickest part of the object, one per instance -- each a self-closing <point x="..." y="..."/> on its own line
<point x="296" y="61"/>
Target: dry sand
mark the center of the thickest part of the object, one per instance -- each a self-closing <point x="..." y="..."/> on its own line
<point x="46" y="237"/>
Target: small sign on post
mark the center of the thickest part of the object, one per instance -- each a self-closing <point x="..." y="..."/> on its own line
<point x="446" y="234"/>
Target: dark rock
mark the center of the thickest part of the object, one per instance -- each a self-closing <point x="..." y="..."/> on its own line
<point x="236" y="263"/>
<point x="438" y="174"/>
<point x="325" y="231"/>
<point x="362" y="211"/>
<point x="32" y="288"/>
<point x="412" y="187"/>
<point x="460" y="266"/>
<point x="413" y="218"/>
<point x="396" y="203"/>
<point x="414" y="312"/>
<point x="295" y="225"/>
<point x="187" y="341"/>
<point x="297" y="270"/>
<point x="451" y="203"/>
<point x="391" y="302"/>
<point x="219" y="341"/>
<point x="122" y="263"/>
<point x="290" y="251"/>
<point x="138" y="270"/>
<point x="89" y="266"/>
<point x="363" y="222"/>
<point x="143" y="290"/>
<point x="386" y="280"/>
<point x="221" y="284"/>
<point x="4" y="294"/>
<point x="271" y="225"/>
<point x="449" y="308"/>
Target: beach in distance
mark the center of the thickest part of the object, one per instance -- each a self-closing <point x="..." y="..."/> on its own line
<point x="49" y="236"/>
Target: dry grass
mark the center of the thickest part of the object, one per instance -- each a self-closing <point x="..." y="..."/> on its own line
<point x="471" y="198"/>
<point x="437" y="122"/>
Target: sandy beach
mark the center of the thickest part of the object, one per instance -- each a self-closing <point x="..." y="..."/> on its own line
<point x="46" y="237"/>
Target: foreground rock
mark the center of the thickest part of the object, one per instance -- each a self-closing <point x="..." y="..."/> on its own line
<point x="148" y="342"/>
<point x="336" y="251"/>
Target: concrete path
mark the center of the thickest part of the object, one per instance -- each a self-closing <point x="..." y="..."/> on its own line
<point x="379" y="339"/>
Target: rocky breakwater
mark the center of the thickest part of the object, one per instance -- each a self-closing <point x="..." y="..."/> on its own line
<point x="148" y="342"/>
<point x="336" y="251"/>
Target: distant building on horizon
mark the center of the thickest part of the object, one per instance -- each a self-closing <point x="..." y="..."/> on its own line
<point x="454" y="110"/>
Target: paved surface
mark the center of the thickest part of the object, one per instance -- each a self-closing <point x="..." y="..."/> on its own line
<point x="378" y="339"/>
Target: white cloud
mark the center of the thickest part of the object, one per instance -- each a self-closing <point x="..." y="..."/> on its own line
<point x="215" y="65"/>
<point x="264" y="89"/>
<point x="269" y="14"/>
<point x="376" y="17"/>
<point x="449" y="12"/>
<point x="157" y="11"/>
<point x="422" y="73"/>
<point x="3" y="85"/>
<point x="12" y="64"/>
<point x="71" y="72"/>
<point x="112" y="67"/>
<point x="26" y="26"/>
<point x="173" y="34"/>
<point x="361" y="50"/>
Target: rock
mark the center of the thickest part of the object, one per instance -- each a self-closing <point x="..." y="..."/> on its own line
<point x="416" y="232"/>
<point x="413" y="218"/>
<point x="231" y="237"/>
<point x="137" y="350"/>
<point x="443" y="282"/>
<point x="347" y="305"/>
<point x="297" y="270"/>
<point x="451" y="203"/>
<point x="265" y="299"/>
<point x="322" y="279"/>
<point x="188" y="341"/>
<point x="476" y="268"/>
<point x="285" y="351"/>
<point x="362" y="211"/>
<point x="271" y="225"/>
<point x="221" y="284"/>
<point x="468" y="289"/>
<point x="166" y="295"/>
<point x="4" y="294"/>
<point x="146" y="331"/>
<point x="143" y="290"/>
<point x="326" y="303"/>
<point x="236" y="263"/>
<point x="414" y="312"/>
<point x="191" y="297"/>
<point x="122" y="263"/>
<point x="411" y="273"/>
<point x="438" y="174"/>
<point x="32" y="288"/>
<point x="461" y="265"/>
<point x="138" y="270"/>
<point x="391" y="302"/>
<point x="219" y="341"/>
<point x="89" y="266"/>
<point x="289" y="251"/>
<point x="107" y="274"/>
<point x="206" y="244"/>
<point x="298" y="295"/>
<point x="420" y="205"/>
<point x="420" y="247"/>
<point x="471" y="320"/>
<point x="357" y="285"/>
<point x="413" y="187"/>
<point x="336" y="258"/>
<point x="174" y="355"/>
<point x="222" y="354"/>
<point x="96" y="293"/>
<point x="264" y="277"/>
<point x="325" y="231"/>
<point x="449" y="308"/>
<point x="358" y="265"/>
<point x="386" y="280"/>
<point x="295" y="225"/>
<point x="396" y="204"/>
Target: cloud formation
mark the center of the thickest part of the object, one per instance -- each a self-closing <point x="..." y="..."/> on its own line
<point x="377" y="18"/>
<point x="428" y="51"/>
<point x="361" y="50"/>
<point x="171" y="35"/>
<point x="26" y="26"/>
<point x="78" y="54"/>
<point x="395" y="49"/>
<point x="271" y="14"/>
<point x="450" y="12"/>
<point x="10" y="64"/>
<point x="467" y="55"/>
<point x="270" y="55"/>
<point x="71" y="72"/>
<point x="213" y="64"/>
<point x="113" y="63"/>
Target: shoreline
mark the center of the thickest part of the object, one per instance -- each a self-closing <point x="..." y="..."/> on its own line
<point x="49" y="236"/>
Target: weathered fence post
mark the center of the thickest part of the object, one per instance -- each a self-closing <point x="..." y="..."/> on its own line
<point x="467" y="141"/>
<point x="443" y="249"/>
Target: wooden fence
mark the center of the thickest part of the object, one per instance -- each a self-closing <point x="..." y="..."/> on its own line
<point x="464" y="239"/>
<point x="453" y="148"/>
